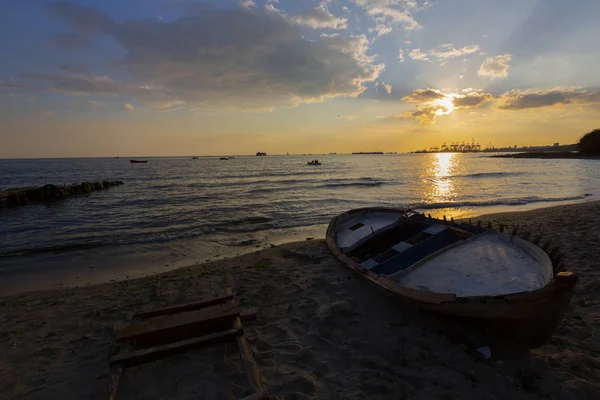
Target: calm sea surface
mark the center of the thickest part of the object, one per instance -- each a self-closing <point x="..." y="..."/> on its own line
<point x="212" y="200"/>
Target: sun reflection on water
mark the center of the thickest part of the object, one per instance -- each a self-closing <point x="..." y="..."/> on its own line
<point x="441" y="171"/>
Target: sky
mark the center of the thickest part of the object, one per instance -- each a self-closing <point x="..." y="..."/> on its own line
<point x="93" y="78"/>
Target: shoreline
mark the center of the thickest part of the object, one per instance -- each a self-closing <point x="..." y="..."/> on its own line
<point x="558" y="155"/>
<point x="87" y="267"/>
<point x="310" y="338"/>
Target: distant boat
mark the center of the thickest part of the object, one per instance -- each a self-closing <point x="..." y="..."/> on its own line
<point x="138" y="161"/>
<point x="465" y="271"/>
<point x="314" y="162"/>
<point x="223" y="158"/>
<point x="261" y="154"/>
<point x="194" y="158"/>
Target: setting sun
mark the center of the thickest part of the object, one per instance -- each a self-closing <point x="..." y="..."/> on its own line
<point x="446" y="103"/>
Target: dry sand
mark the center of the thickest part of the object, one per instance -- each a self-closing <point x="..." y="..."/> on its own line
<point x="322" y="332"/>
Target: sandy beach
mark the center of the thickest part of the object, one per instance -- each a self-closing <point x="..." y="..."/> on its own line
<point x="321" y="332"/>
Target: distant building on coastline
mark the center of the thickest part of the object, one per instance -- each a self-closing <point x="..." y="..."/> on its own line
<point x="455" y="147"/>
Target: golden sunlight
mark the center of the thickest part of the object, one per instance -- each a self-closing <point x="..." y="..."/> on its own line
<point x="441" y="168"/>
<point x="446" y="103"/>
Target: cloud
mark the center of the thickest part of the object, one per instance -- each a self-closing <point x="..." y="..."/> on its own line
<point x="199" y="61"/>
<point x="534" y="98"/>
<point x="432" y="103"/>
<point x="248" y="3"/>
<point x="451" y="52"/>
<point x="388" y="88"/>
<point x="387" y="13"/>
<point x="473" y="99"/>
<point x="495" y="67"/>
<point x="79" y="83"/>
<point x="71" y="41"/>
<point x="381" y="27"/>
<point x="425" y="115"/>
<point x="98" y="104"/>
<point x="11" y="84"/>
<point x="443" y="52"/>
<point x="320" y="18"/>
<point x="85" y="20"/>
<point x="18" y="96"/>
<point x="417" y="54"/>
<point x="424" y="96"/>
<point x="401" y="56"/>
<point x="128" y="107"/>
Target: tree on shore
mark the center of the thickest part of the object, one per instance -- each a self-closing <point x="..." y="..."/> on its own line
<point x="590" y="142"/>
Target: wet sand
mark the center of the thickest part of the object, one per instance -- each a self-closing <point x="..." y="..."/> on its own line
<point x="322" y="332"/>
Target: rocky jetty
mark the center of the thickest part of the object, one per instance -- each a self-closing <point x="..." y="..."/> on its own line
<point x="23" y="196"/>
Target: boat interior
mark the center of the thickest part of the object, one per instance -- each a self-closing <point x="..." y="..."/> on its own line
<point x="428" y="254"/>
<point x="395" y="246"/>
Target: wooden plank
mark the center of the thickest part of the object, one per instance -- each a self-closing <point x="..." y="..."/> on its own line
<point x="250" y="367"/>
<point x="177" y="326"/>
<point x="138" y="357"/>
<point x="116" y="375"/>
<point x="183" y="307"/>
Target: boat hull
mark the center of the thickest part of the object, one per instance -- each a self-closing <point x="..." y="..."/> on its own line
<point x="138" y="161"/>
<point x="529" y="317"/>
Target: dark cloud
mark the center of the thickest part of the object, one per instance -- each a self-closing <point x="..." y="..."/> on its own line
<point x="473" y="99"/>
<point x="424" y="96"/>
<point x="535" y="98"/>
<point x="71" y="41"/>
<point x="85" y="19"/>
<point x="221" y="58"/>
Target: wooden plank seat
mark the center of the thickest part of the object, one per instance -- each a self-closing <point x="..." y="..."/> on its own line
<point x="167" y="331"/>
<point x="142" y="356"/>
<point x="181" y="326"/>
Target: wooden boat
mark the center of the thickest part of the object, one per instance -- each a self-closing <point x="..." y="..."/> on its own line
<point x="314" y="162"/>
<point x="138" y="161"/>
<point x="194" y="157"/>
<point x="223" y="158"/>
<point x="465" y="271"/>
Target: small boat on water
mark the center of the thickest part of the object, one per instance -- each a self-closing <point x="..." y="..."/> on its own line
<point x="138" y="161"/>
<point x="261" y="154"/>
<point x="465" y="271"/>
<point x="223" y="158"/>
<point x="314" y="162"/>
<point x="194" y="157"/>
